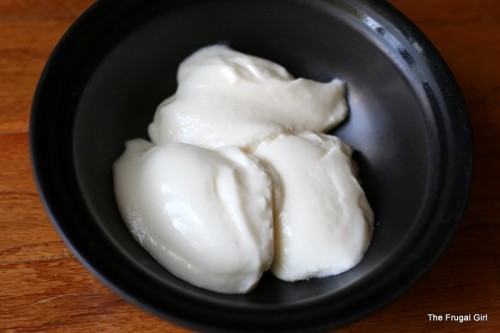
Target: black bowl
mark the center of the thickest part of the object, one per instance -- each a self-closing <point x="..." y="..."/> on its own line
<point x="407" y="124"/>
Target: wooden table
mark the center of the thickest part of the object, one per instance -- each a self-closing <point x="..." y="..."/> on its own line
<point x="44" y="288"/>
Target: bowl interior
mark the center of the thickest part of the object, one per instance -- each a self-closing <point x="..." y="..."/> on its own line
<point x="387" y="126"/>
<point x="116" y="70"/>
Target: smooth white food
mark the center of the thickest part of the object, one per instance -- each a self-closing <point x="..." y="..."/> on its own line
<point x="324" y="222"/>
<point x="204" y="215"/>
<point x="226" y="98"/>
<point x="237" y="178"/>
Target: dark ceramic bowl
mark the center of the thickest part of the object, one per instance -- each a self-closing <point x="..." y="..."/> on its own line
<point x="408" y="126"/>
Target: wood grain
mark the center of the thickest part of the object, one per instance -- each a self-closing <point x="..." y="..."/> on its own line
<point x="43" y="287"/>
<point x="35" y="9"/>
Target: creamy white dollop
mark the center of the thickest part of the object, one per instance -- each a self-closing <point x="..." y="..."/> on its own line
<point x="237" y="178"/>
<point x="204" y="215"/>
<point x="225" y="98"/>
<point x="324" y="222"/>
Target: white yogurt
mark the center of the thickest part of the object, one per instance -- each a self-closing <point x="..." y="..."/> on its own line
<point x="235" y="180"/>
<point x="204" y="215"/>
<point x="324" y="223"/>
<point x="225" y="97"/>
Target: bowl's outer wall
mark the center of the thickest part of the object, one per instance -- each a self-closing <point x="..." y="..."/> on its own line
<point x="407" y="125"/>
